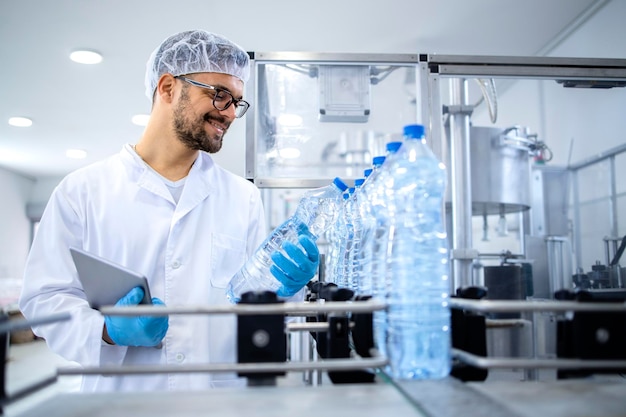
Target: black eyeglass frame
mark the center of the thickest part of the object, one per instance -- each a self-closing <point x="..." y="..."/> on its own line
<point x="241" y="106"/>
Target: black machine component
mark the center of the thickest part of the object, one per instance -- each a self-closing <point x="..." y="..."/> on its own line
<point x="619" y="252"/>
<point x="261" y="338"/>
<point x="469" y="333"/>
<point x="591" y="335"/>
<point x="363" y="331"/>
<point x="603" y="276"/>
<point x="504" y="282"/>
<point x="344" y="331"/>
<point x="591" y="83"/>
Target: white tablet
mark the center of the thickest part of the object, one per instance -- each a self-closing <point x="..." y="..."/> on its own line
<point x="105" y="282"/>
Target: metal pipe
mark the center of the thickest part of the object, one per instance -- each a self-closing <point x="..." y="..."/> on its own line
<point x="506" y="323"/>
<point x="13" y="325"/>
<point x="31" y="389"/>
<point x="598" y="158"/>
<point x="613" y="197"/>
<point x="576" y="230"/>
<point x="503" y="306"/>
<point x="310" y="327"/>
<point x="253" y="367"/>
<point x="537" y="363"/>
<point x="462" y="254"/>
<point x="301" y="308"/>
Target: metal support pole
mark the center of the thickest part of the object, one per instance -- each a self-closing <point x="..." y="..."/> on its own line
<point x="462" y="254"/>
<point x="613" y="199"/>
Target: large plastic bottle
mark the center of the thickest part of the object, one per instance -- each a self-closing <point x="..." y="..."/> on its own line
<point x="418" y="315"/>
<point x="317" y="209"/>
<point x="341" y="234"/>
<point x="354" y="210"/>
<point x="374" y="245"/>
<point x="371" y="188"/>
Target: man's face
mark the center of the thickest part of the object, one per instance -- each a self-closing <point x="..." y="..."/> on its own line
<point x="197" y="123"/>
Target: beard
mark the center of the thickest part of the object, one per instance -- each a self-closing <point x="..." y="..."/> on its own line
<point x="192" y="133"/>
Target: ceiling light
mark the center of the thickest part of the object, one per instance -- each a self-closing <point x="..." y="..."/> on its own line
<point x="141" y="119"/>
<point x="76" y="153"/>
<point x="86" y="57"/>
<point x="20" y="122"/>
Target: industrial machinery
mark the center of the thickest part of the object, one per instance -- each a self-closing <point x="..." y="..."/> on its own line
<point x="537" y="264"/>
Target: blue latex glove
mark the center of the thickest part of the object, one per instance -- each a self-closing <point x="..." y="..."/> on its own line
<point x="299" y="267"/>
<point x="136" y="330"/>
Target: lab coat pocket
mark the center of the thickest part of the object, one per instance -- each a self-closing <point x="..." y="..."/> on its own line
<point x="228" y="255"/>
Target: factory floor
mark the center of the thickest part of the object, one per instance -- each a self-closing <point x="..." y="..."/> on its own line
<point x="29" y="363"/>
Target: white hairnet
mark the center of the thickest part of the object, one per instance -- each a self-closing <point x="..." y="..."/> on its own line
<point x="196" y="51"/>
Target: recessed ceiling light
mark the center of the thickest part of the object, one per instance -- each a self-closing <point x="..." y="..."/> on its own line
<point x="76" y="153"/>
<point x="141" y="119"/>
<point x="20" y="121"/>
<point x="86" y="57"/>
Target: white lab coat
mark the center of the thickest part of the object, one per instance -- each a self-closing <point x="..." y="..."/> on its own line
<point x="121" y="210"/>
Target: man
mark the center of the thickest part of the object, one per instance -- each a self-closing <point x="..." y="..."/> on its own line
<point x="165" y="209"/>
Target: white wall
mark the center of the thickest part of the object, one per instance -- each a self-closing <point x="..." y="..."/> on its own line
<point x="42" y="190"/>
<point x="14" y="224"/>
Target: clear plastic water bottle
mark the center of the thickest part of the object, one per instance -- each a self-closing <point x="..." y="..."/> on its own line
<point x="334" y="236"/>
<point x="338" y="244"/>
<point x="317" y="210"/>
<point x="368" y="264"/>
<point x="418" y="315"/>
<point x="362" y="270"/>
<point x="374" y="245"/>
<point x="354" y="213"/>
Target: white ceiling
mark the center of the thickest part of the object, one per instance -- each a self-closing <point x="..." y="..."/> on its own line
<point x="90" y="107"/>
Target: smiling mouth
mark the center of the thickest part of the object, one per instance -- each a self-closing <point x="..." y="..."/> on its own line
<point x="217" y="125"/>
<point x="219" y="128"/>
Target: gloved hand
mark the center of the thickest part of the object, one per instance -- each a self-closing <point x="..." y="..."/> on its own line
<point x="296" y="269"/>
<point x="136" y="330"/>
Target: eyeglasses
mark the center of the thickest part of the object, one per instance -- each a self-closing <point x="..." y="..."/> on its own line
<point x="222" y="99"/>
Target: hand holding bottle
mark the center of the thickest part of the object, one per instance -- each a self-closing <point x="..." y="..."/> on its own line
<point x="289" y="257"/>
<point x="296" y="269"/>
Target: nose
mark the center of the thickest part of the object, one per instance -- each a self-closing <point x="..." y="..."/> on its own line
<point x="229" y="112"/>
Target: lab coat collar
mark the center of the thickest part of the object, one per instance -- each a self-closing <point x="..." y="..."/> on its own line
<point x="197" y="184"/>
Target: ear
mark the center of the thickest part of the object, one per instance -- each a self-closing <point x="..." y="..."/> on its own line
<point x="165" y="88"/>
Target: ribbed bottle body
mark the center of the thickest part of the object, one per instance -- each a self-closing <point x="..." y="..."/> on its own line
<point x="417" y="275"/>
<point x="317" y="210"/>
<point x="255" y="274"/>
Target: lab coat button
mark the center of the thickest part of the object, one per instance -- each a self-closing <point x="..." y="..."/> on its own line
<point x="175" y="265"/>
<point x="180" y="357"/>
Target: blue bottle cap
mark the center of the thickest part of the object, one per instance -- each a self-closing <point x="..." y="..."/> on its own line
<point x="345" y="196"/>
<point x="393" y="146"/>
<point x="351" y="190"/>
<point x="414" y="131"/>
<point x="367" y="172"/>
<point x="378" y="160"/>
<point x="340" y="184"/>
<point x="358" y="182"/>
